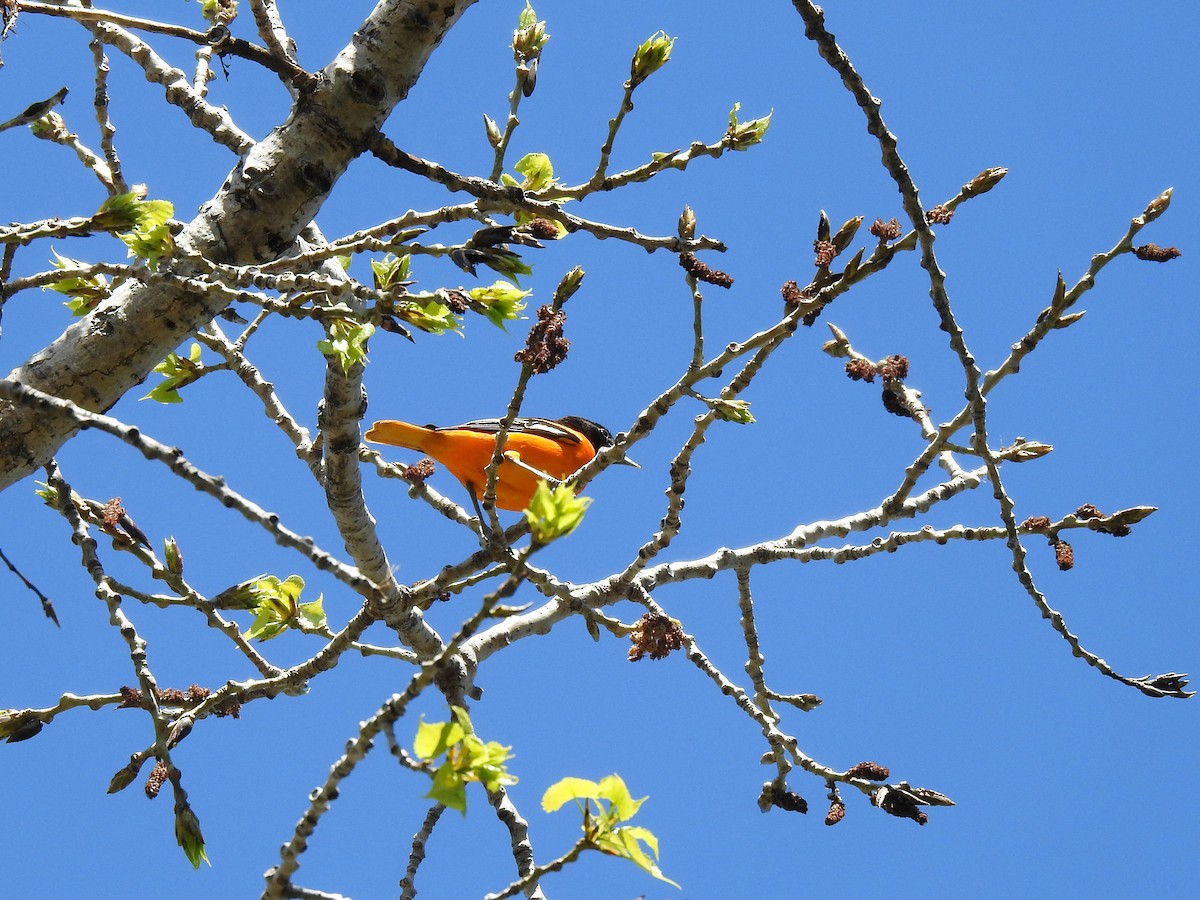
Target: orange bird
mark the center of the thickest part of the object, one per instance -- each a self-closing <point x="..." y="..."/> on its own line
<point x="556" y="447"/>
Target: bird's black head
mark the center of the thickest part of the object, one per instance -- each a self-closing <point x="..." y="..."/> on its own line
<point x="598" y="436"/>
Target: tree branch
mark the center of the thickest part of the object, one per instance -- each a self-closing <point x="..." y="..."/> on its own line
<point x="264" y="204"/>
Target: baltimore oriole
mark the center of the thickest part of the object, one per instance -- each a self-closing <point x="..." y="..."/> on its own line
<point x="556" y="447"/>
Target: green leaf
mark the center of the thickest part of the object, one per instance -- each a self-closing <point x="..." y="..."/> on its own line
<point x="635" y="834"/>
<point x="150" y="244"/>
<point x="431" y="316"/>
<point x="449" y="788"/>
<point x="276" y="606"/>
<point x="132" y="211"/>
<point x="153" y="213"/>
<point x="218" y="11"/>
<point x="313" y="614"/>
<point x="48" y="493"/>
<point x="163" y="394"/>
<point x="346" y="341"/>
<point x="289" y="589"/>
<point x="554" y="514"/>
<point x="177" y="372"/>
<point x="612" y="788"/>
<point x="389" y="271"/>
<point x="486" y="763"/>
<point x="733" y="411"/>
<point x="468" y="758"/>
<point x="538" y="171"/>
<point x="435" y="738"/>
<point x="85" y="291"/>
<point x="601" y="827"/>
<point x="626" y="842"/>
<point x="188" y="836"/>
<point x="568" y="789"/>
<point x="501" y="302"/>
<point x="474" y="752"/>
<point x="141" y="224"/>
<point x="266" y="625"/>
<point x="743" y="135"/>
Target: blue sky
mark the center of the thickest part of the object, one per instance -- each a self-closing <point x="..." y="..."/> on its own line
<point x="932" y="661"/>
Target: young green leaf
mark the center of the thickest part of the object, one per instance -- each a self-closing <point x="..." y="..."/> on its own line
<point x="435" y="738"/>
<point x="132" y="211"/>
<point x="554" y="514"/>
<point x="613" y="789"/>
<point x="390" y="271"/>
<point x="743" y="135"/>
<point x="568" y="789"/>
<point x="188" y="836"/>
<point x="650" y="57"/>
<point x="627" y="841"/>
<point x="85" y="291"/>
<point x="602" y="825"/>
<point x="47" y="492"/>
<point x="467" y="758"/>
<point x="530" y="36"/>
<point x="537" y="169"/>
<point x="430" y="315"/>
<point x="733" y="411"/>
<point x="347" y="342"/>
<point x="500" y="302"/>
<point x="177" y="372"/>
<point x="149" y="243"/>
<point x="276" y="604"/>
<point x="449" y="788"/>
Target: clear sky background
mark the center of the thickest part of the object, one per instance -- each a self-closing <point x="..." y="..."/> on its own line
<point x="932" y="661"/>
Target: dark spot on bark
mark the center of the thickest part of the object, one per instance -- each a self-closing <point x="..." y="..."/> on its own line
<point x="316" y="177"/>
<point x="368" y="86"/>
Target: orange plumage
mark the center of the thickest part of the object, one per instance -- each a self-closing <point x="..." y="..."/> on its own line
<point x="557" y="448"/>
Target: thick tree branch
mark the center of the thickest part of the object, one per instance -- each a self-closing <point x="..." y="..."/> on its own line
<point x="268" y="198"/>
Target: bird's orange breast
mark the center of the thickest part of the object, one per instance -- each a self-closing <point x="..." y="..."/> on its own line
<point x="466" y="454"/>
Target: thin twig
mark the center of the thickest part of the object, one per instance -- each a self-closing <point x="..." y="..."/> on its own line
<point x="47" y="606"/>
<point x="217" y="37"/>
<point x="211" y="485"/>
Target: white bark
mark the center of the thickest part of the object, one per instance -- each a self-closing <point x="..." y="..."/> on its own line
<point x="265" y="202"/>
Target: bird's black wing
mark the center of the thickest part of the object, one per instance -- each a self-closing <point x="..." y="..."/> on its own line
<point x="521" y="425"/>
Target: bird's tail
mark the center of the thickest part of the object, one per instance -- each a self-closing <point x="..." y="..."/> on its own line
<point x="398" y="434"/>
